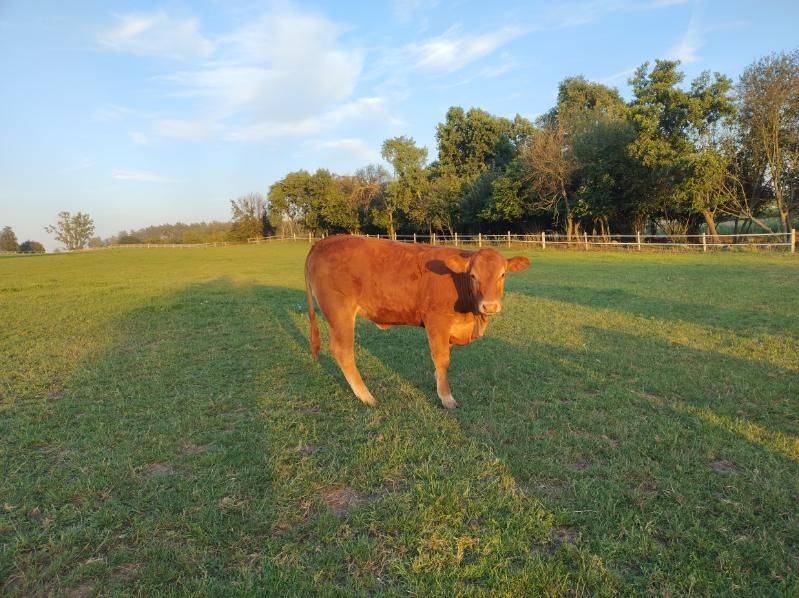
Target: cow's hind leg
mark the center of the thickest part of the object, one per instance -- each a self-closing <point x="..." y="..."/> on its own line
<point x="341" y="322"/>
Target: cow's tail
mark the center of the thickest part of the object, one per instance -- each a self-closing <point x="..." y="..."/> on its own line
<point x="315" y="342"/>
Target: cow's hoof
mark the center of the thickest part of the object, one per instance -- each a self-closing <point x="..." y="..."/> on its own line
<point x="369" y="401"/>
<point x="449" y="403"/>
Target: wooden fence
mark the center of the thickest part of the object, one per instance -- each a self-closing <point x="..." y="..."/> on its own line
<point x="638" y="242"/>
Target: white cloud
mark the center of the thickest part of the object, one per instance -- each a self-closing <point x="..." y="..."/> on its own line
<point x="349" y="147"/>
<point x="404" y="11"/>
<point x="363" y="110"/>
<point x="687" y="49"/>
<point x="193" y="130"/>
<point x="625" y="74"/>
<point x="286" y="65"/>
<point x="139" y="175"/>
<point x="285" y="74"/>
<point x="156" y="34"/>
<point x="139" y="138"/>
<point x="574" y="14"/>
<point x="452" y="51"/>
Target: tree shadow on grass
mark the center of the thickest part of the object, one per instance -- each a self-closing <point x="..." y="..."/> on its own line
<point x="206" y="453"/>
<point x="744" y="321"/>
<point x="672" y="462"/>
<point x="669" y="460"/>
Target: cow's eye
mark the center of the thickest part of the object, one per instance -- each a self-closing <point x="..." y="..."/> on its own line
<point x="473" y="275"/>
<point x="502" y="275"/>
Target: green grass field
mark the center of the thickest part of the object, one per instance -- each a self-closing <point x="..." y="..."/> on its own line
<point x="629" y="424"/>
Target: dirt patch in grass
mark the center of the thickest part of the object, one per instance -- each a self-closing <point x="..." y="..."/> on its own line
<point x="582" y="464"/>
<point x="725" y="467"/>
<point x="157" y="470"/>
<point x="309" y="449"/>
<point x="190" y="448"/>
<point x="343" y="499"/>
<point x="81" y="591"/>
<point x="558" y="536"/>
<point x="126" y="573"/>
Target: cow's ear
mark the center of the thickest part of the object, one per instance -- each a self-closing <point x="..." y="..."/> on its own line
<point x="518" y="263"/>
<point x="457" y="263"/>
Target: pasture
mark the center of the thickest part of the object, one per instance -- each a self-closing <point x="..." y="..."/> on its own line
<point x="629" y="424"/>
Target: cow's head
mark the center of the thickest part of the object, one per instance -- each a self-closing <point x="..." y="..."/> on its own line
<point x="486" y="276"/>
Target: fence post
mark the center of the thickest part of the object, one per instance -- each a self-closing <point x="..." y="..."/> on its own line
<point x="704" y="242"/>
<point x="295" y="236"/>
<point x="433" y="239"/>
<point x="310" y="237"/>
<point x="543" y="240"/>
<point x="508" y="238"/>
<point x="414" y="237"/>
<point x="793" y="240"/>
<point x="479" y="239"/>
<point x="585" y="238"/>
<point x="638" y="238"/>
<point x="456" y="239"/>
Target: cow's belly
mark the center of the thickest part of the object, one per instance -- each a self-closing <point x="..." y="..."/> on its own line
<point x="386" y="318"/>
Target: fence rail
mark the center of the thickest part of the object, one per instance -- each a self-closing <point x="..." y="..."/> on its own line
<point x="639" y="241"/>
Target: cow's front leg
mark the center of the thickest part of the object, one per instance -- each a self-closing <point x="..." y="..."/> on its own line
<point x="440" y="350"/>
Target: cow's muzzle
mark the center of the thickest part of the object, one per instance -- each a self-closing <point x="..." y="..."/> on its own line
<point x="489" y="308"/>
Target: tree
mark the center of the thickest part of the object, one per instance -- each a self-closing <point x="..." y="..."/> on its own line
<point x="410" y="180"/>
<point x="332" y="203"/>
<point x="768" y="101"/>
<point x="249" y="215"/>
<point x="289" y="202"/>
<point x="547" y="168"/>
<point x="8" y="240"/>
<point x="370" y="190"/>
<point x="596" y="132"/>
<point x="678" y="137"/>
<point x="32" y="247"/>
<point x="73" y="231"/>
<point x="578" y="98"/>
<point x="473" y="142"/>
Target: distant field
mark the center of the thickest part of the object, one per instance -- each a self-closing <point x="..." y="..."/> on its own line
<point x="629" y="424"/>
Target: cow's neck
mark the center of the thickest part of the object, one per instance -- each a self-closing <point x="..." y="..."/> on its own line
<point x="466" y="302"/>
<point x="480" y="323"/>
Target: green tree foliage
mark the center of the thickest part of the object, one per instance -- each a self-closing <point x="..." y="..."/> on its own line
<point x="675" y="157"/>
<point x="178" y="233"/>
<point x="677" y="138"/>
<point x="768" y="104"/>
<point x="547" y="166"/>
<point x="475" y="148"/>
<point x="8" y="240"/>
<point x="249" y="217"/>
<point x="289" y="203"/>
<point x="475" y="141"/>
<point x="370" y="192"/>
<point x="31" y="247"/>
<point x="408" y="188"/>
<point x="73" y="231"/>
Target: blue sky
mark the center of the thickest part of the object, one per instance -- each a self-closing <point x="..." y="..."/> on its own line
<point x="150" y="112"/>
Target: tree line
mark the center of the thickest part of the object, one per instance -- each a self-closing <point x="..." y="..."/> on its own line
<point x="673" y="159"/>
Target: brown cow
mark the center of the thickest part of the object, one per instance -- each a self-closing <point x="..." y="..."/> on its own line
<point x="449" y="292"/>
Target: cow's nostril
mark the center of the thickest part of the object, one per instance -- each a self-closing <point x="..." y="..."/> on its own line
<point x="490" y="307"/>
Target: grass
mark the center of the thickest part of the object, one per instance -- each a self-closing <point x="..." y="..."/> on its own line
<point x="629" y="424"/>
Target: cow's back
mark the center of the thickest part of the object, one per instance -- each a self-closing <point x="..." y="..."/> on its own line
<point x="384" y="279"/>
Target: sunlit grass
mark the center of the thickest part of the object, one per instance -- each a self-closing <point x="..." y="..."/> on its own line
<point x="628" y="424"/>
